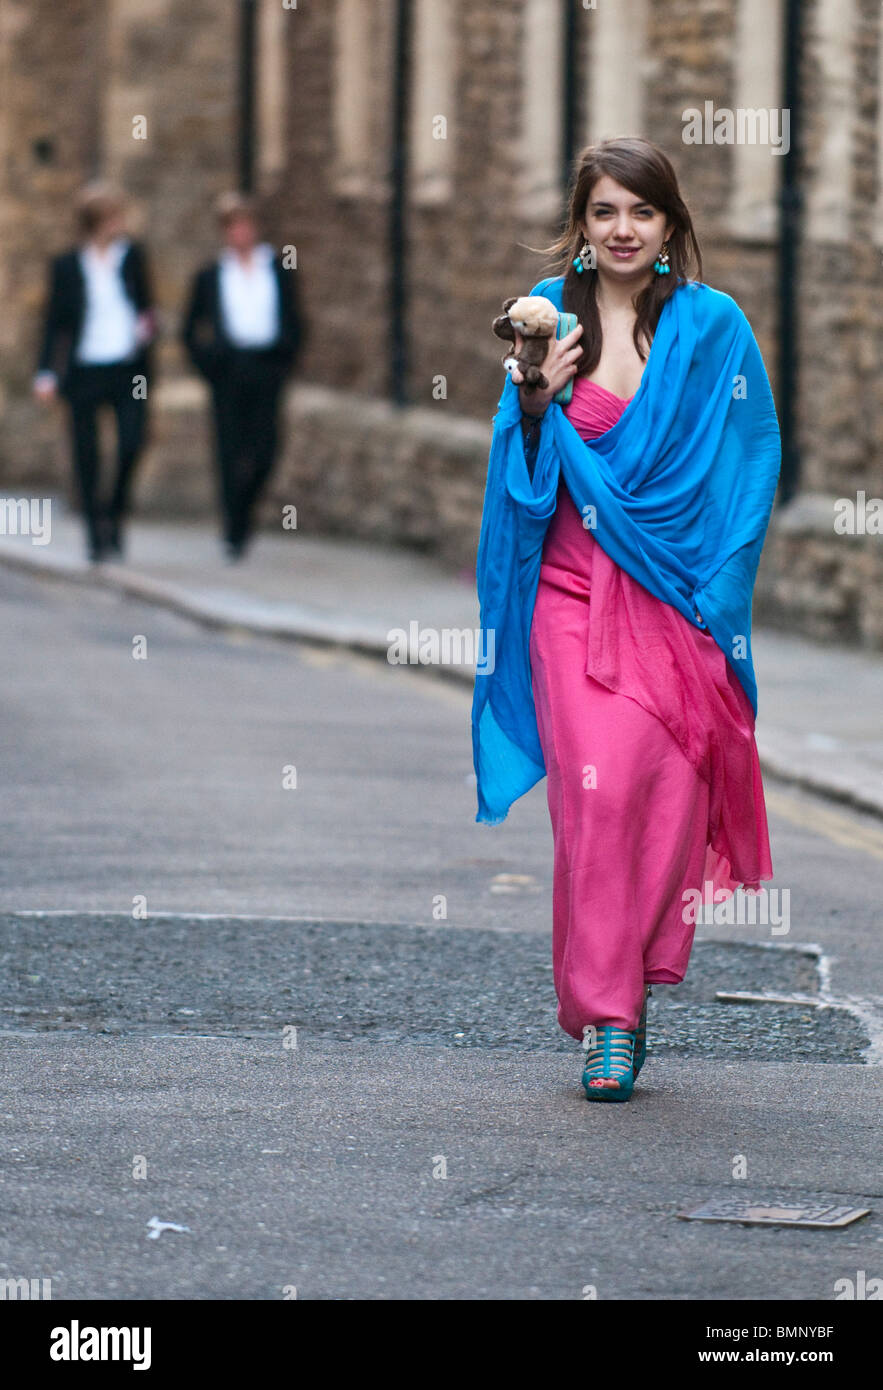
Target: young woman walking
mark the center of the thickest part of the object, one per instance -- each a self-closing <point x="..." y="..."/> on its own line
<point x="619" y="545"/>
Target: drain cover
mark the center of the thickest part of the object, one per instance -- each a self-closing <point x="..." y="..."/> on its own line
<point x="777" y="1214"/>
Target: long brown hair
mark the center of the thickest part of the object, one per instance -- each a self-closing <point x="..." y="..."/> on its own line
<point x="642" y="168"/>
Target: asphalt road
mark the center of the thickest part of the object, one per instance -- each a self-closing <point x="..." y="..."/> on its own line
<point x="305" y="914"/>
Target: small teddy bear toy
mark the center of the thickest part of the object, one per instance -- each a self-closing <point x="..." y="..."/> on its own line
<point x="536" y="319"/>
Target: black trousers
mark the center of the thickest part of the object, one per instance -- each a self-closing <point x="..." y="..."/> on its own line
<point x="245" y="396"/>
<point x="87" y="389"/>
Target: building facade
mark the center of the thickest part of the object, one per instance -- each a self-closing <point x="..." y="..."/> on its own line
<point x="410" y="153"/>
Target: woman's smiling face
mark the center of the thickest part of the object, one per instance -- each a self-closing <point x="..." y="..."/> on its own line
<point x="626" y="232"/>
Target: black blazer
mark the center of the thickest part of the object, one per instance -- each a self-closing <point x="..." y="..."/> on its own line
<point x="66" y="308"/>
<point x="205" y="336"/>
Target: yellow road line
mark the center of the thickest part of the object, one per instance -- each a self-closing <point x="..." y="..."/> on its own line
<point x="832" y="824"/>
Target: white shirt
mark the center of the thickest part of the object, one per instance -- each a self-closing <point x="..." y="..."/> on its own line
<point x="250" y="298"/>
<point x="109" y="332"/>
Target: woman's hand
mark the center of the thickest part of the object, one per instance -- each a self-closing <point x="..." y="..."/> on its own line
<point x="558" y="368"/>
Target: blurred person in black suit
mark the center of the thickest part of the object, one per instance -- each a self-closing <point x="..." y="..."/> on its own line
<point x="243" y="332"/>
<point x="98" y="327"/>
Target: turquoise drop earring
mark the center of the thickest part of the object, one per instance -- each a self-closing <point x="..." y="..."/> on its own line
<point x="586" y="259"/>
<point x="661" y="264"/>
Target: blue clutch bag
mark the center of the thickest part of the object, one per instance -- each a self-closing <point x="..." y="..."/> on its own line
<point x="566" y="322"/>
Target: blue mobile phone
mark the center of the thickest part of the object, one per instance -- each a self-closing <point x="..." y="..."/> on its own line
<point x="566" y="322"/>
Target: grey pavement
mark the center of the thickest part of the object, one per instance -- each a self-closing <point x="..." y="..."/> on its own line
<point x="321" y="1168"/>
<point x="820" y="719"/>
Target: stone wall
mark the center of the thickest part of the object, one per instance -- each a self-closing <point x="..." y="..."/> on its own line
<point x="350" y="464"/>
<point x="339" y="233"/>
<point x="814" y="581"/>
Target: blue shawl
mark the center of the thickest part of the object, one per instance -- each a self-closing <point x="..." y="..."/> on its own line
<point x="682" y="487"/>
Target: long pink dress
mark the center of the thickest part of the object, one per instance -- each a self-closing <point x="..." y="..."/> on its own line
<point x="654" y="782"/>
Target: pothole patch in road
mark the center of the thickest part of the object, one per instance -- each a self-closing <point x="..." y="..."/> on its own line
<point x="228" y="976"/>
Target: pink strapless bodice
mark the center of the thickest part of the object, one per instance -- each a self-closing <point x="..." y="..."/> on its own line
<point x="592" y="411"/>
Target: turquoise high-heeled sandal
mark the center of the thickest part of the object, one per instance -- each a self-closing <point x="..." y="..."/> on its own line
<point x="641" y="1038"/>
<point x="611" y="1058"/>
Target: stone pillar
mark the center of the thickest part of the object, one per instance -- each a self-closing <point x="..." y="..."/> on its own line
<point x="169" y="129"/>
<point x="618" y="69"/>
